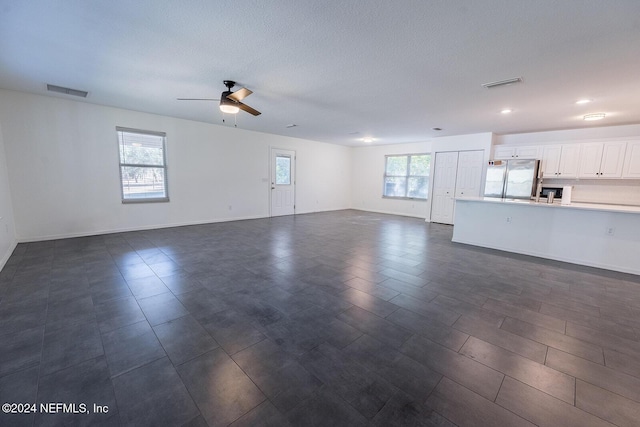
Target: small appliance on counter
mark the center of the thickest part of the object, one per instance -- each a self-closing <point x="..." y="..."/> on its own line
<point x="557" y="193"/>
<point x="566" y="194"/>
<point x="550" y="196"/>
<point x="512" y="179"/>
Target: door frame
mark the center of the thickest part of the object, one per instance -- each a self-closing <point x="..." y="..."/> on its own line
<point x="272" y="173"/>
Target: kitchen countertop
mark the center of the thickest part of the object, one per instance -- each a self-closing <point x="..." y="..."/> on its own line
<point x="557" y="204"/>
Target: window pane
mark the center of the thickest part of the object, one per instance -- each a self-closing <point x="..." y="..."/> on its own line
<point x="420" y="165"/>
<point x="143" y="182"/>
<point x="395" y="187"/>
<point x="396" y="166"/>
<point x="140" y="149"/>
<point x="418" y="187"/>
<point x="283" y="170"/>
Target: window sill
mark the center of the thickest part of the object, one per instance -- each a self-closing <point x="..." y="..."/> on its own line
<point x="149" y="200"/>
<point x="416" y="199"/>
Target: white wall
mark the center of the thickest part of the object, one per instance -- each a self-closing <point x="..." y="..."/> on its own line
<point x="367" y="177"/>
<point x="368" y="169"/>
<point x="63" y="170"/>
<point x="7" y="225"/>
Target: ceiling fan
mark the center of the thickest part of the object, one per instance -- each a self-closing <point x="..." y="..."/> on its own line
<point x="230" y="101"/>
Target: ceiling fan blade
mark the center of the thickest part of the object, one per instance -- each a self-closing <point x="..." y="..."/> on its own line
<point x="245" y="107"/>
<point x="197" y="99"/>
<point x="240" y="94"/>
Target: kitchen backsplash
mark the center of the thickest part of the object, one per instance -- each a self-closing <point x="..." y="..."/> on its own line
<point x="614" y="192"/>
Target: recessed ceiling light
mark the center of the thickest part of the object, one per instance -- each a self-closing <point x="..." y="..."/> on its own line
<point x="583" y="101"/>
<point x="367" y="139"/>
<point x="506" y="111"/>
<point x="596" y="116"/>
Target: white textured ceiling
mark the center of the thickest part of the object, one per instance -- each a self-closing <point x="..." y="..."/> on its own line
<point x="340" y="70"/>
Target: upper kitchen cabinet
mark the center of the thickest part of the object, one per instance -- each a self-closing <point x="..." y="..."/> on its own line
<point x="511" y="152"/>
<point x="602" y="160"/>
<point x="631" y="167"/>
<point x="560" y="161"/>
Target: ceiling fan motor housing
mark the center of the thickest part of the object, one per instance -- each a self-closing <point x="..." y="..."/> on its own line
<point x="227" y="101"/>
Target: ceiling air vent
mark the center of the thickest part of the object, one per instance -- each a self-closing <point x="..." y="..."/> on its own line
<point x="507" y="82"/>
<point x="67" y="91"/>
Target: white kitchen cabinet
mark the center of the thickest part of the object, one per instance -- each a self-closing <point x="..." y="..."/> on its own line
<point x="560" y="161"/>
<point x="551" y="160"/>
<point x="602" y="160"/>
<point x="631" y="168"/>
<point x="504" y="152"/>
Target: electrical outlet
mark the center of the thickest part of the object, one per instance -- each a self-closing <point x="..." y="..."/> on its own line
<point x="508" y="219"/>
<point x="229" y="207"/>
<point x="610" y="231"/>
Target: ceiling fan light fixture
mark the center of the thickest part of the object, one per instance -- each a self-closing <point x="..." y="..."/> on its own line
<point x="229" y="109"/>
<point x="227" y="105"/>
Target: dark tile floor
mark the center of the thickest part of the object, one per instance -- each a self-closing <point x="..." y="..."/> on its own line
<point x="342" y="318"/>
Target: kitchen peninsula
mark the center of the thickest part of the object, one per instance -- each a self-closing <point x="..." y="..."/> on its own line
<point x="603" y="236"/>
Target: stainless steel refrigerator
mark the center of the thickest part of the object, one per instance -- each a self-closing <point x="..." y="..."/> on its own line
<point x="512" y="179"/>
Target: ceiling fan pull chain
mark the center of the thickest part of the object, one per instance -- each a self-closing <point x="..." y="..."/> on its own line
<point x="235" y="120"/>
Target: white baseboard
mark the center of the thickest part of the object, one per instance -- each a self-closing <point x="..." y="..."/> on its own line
<point x="128" y="229"/>
<point x="304" y="212"/>
<point x="390" y="213"/>
<point x="149" y="227"/>
<point x="7" y="255"/>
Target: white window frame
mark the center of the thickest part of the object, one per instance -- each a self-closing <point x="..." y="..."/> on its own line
<point x="406" y="176"/>
<point x="120" y="130"/>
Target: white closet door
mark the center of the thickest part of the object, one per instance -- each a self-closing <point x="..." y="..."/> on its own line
<point x="469" y="176"/>
<point x="444" y="186"/>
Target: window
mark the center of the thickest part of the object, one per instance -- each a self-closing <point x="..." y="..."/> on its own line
<point x="143" y="168"/>
<point x="283" y="170"/>
<point x="407" y="176"/>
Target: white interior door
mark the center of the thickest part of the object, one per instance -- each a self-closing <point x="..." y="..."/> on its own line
<point x="444" y="186"/>
<point x="283" y="182"/>
<point x="469" y="176"/>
